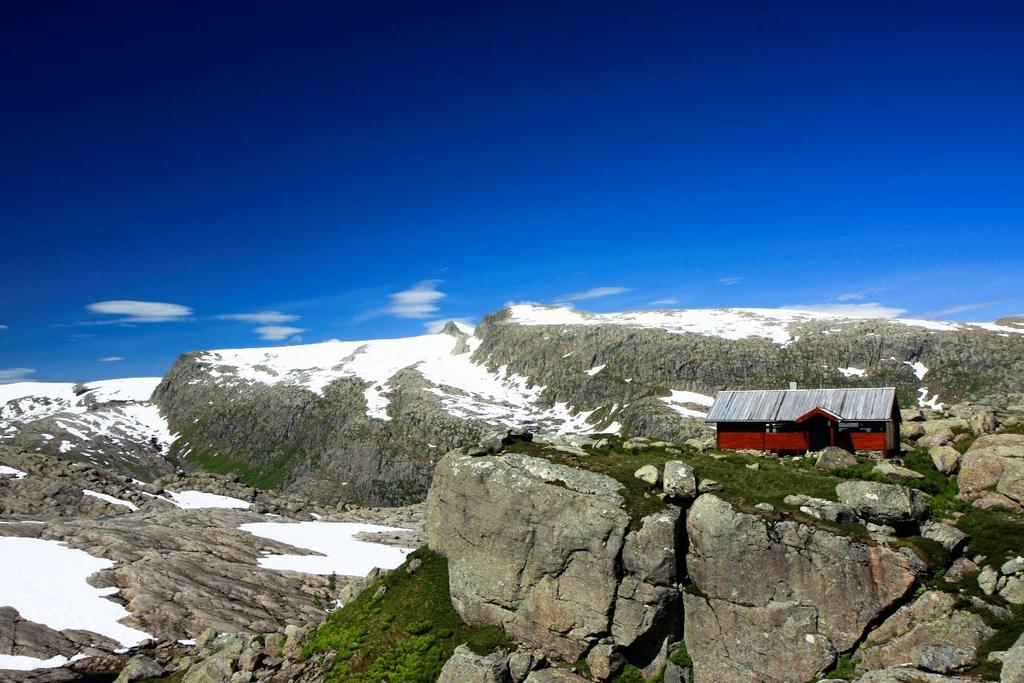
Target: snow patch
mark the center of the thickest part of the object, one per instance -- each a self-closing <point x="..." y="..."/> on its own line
<point x="852" y="372"/>
<point x="48" y="585"/>
<point x="110" y="499"/>
<point x="924" y="402"/>
<point x="192" y="500"/>
<point x="341" y="552"/>
<point x="679" y="399"/>
<point x="596" y="369"/>
<point x="919" y="368"/>
<point x="6" y="471"/>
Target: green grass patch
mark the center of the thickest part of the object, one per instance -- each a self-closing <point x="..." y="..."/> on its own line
<point x="631" y="674"/>
<point x="771" y="482"/>
<point x="251" y="474"/>
<point x="843" y="669"/>
<point x="401" y="629"/>
<point x="997" y="534"/>
<point x="1007" y="633"/>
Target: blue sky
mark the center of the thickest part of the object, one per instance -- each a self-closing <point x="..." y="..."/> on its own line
<point x="361" y="170"/>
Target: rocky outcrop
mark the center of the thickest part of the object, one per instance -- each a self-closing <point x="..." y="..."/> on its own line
<point x="992" y="469"/>
<point x="547" y="552"/>
<point x="931" y="634"/>
<point x="812" y="595"/>
<point x="531" y="546"/>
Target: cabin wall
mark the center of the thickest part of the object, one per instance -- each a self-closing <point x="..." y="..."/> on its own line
<point x="752" y="435"/>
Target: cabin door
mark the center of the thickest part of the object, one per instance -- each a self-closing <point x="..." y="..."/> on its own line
<point x="818" y="433"/>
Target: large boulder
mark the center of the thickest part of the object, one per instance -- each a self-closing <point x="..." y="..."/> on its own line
<point x="813" y="594"/>
<point x="994" y="463"/>
<point x="889" y="504"/>
<point x="466" y="666"/>
<point x="929" y="633"/>
<point x="532" y="547"/>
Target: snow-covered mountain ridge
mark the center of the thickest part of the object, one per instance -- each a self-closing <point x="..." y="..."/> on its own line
<point x="365" y="419"/>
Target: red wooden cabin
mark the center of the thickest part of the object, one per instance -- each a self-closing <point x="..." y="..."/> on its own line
<point x="802" y="420"/>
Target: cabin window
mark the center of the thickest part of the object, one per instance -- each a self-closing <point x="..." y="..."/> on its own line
<point x="775" y="427"/>
<point x="861" y="426"/>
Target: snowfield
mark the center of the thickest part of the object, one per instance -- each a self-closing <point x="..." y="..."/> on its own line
<point x="464" y="388"/>
<point x="727" y="323"/>
<point x="341" y="552"/>
<point x="48" y="585"/>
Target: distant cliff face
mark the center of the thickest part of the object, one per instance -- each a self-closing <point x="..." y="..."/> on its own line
<point x="366" y="421"/>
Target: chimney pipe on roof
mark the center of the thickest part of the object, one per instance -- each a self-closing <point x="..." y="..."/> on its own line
<point x="792" y="386"/>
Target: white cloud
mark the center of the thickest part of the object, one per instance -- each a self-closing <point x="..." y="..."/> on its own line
<point x="4" y="327"/>
<point x="960" y="308"/>
<point x="594" y="293"/>
<point x="850" y="296"/>
<point x="435" y="326"/>
<point x="260" y="317"/>
<point x="111" y="359"/>
<point x="664" y="302"/>
<point x="141" y="311"/>
<point x="278" y="332"/>
<point x="419" y="301"/>
<point x="865" y="310"/>
<point x="729" y="281"/>
<point x="8" y="375"/>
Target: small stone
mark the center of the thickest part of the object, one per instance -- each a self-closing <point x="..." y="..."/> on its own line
<point x="521" y="663"/>
<point x="680" y="480"/>
<point x="960" y="568"/>
<point x="987" y="580"/>
<point x="603" y="445"/>
<point x="835" y="458"/>
<point x="1013" y="590"/>
<point x="765" y="507"/>
<point x="605" y="660"/>
<point x="946" y="535"/>
<point x="710" y="486"/>
<point x="945" y="458"/>
<point x="1012" y="566"/>
<point x="648" y="473"/>
<point x="893" y="471"/>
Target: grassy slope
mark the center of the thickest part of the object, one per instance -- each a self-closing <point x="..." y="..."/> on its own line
<point x="401" y="629"/>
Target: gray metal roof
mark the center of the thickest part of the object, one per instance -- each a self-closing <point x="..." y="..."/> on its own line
<point x="785" y="405"/>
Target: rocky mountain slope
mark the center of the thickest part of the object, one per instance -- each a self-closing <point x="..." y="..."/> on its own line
<point x="366" y="421"/>
<point x="108" y="565"/>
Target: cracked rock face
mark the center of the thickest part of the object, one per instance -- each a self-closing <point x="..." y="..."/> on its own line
<point x="930" y="634"/>
<point x="531" y="546"/>
<point x="775" y="601"/>
<point x="545" y="551"/>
